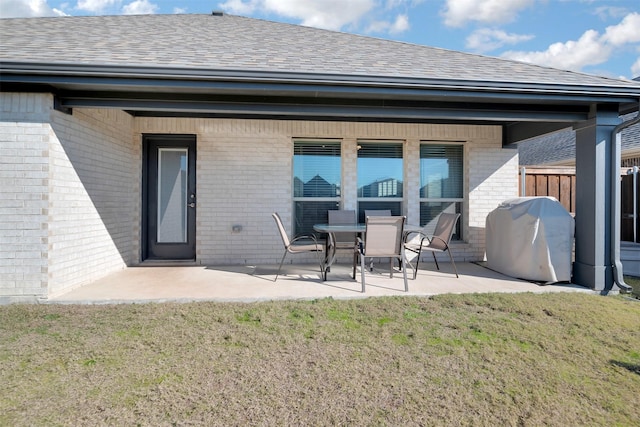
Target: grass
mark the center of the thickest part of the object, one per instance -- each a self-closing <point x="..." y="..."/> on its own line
<point x="634" y="282"/>
<point x="475" y="360"/>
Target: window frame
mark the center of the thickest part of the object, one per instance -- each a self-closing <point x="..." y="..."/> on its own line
<point x="301" y="199"/>
<point x="401" y="199"/>
<point x="457" y="200"/>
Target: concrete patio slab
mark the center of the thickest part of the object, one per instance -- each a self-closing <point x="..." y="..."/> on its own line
<point x="256" y="283"/>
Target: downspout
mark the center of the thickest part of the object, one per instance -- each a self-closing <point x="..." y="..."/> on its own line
<point x="615" y="203"/>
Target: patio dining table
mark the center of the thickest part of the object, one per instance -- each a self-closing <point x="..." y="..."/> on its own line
<point x="359" y="228"/>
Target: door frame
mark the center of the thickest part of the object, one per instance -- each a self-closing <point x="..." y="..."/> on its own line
<point x="170" y="139"/>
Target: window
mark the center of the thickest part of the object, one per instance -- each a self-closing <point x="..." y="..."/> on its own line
<point x="380" y="174"/>
<point x="441" y="183"/>
<point x="316" y="183"/>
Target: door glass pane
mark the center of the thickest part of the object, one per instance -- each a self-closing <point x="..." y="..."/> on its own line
<point x="172" y="195"/>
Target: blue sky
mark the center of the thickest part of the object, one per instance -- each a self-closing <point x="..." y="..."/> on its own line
<point x="593" y="36"/>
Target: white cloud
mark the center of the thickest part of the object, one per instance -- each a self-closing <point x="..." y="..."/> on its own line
<point x="27" y="9"/>
<point x="591" y="48"/>
<point x="327" y="14"/>
<point x="459" y="12"/>
<point x="179" y="10"/>
<point x="332" y="14"/>
<point x="627" y="31"/>
<point x="571" y="55"/>
<point x="96" y="6"/>
<point x="488" y="39"/>
<point x="635" y="68"/>
<point x="139" y="7"/>
<point x="241" y="7"/>
<point x="392" y="4"/>
<point x="400" y="25"/>
<point x="606" y="12"/>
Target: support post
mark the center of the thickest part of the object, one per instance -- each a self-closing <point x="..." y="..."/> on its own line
<point x="594" y="209"/>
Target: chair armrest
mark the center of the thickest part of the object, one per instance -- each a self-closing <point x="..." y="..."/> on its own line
<point x="413" y="233"/>
<point x="306" y="236"/>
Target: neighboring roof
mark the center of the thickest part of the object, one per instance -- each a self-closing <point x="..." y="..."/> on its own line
<point x="559" y="148"/>
<point x="239" y="43"/>
<point x="553" y="148"/>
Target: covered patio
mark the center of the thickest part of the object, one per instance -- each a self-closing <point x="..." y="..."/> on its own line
<point x="180" y="145"/>
<point x="189" y="283"/>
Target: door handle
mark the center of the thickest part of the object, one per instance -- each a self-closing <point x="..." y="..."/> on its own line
<point x="192" y="205"/>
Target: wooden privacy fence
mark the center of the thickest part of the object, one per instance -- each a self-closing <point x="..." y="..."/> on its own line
<point x="560" y="182"/>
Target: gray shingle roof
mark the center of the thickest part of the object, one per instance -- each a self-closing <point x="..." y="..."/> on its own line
<point x="551" y="148"/>
<point x="560" y="147"/>
<point x="239" y="43"/>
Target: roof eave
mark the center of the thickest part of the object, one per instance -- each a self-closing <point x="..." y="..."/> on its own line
<point x="182" y="79"/>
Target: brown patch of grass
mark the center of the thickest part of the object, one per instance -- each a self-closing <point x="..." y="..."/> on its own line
<point x="498" y="359"/>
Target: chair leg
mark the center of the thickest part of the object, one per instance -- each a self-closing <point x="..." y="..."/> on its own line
<point x="415" y="272"/>
<point x="355" y="260"/>
<point x="279" y="268"/>
<point x="362" y="268"/>
<point x="323" y="271"/>
<point x="453" y="263"/>
<point x="435" y="259"/>
<point x="403" y="261"/>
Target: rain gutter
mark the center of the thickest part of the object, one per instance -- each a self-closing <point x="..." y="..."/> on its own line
<point x="182" y="77"/>
<point x="618" y="277"/>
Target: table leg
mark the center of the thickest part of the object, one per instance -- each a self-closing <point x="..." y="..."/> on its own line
<point x="330" y="255"/>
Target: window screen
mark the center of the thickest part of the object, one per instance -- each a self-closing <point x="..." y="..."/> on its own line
<point x="441" y="183"/>
<point x="316" y="182"/>
<point x="380" y="177"/>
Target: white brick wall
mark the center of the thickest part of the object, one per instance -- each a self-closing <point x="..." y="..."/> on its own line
<point x="24" y="169"/>
<point x="94" y="196"/>
<point x="71" y="187"/>
<point x="493" y="177"/>
<point x="69" y="196"/>
<point x="245" y="167"/>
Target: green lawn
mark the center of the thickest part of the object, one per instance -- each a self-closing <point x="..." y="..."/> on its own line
<point x="634" y="282"/>
<point x="564" y="359"/>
